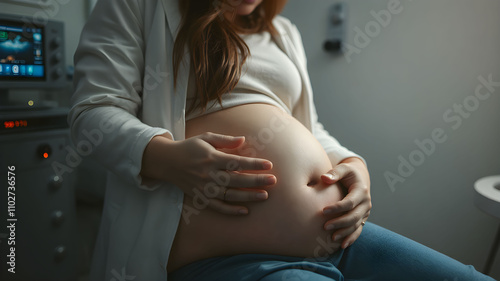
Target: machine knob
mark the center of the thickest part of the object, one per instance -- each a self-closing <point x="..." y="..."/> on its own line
<point x="44" y="151"/>
<point x="55" y="182"/>
<point x="59" y="253"/>
<point x="56" y="42"/>
<point x="57" y="217"/>
<point x="57" y="58"/>
<point x="57" y="73"/>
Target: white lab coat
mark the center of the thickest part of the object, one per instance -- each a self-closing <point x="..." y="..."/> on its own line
<point x="123" y="97"/>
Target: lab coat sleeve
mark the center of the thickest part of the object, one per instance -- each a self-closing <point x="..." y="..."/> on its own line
<point x="109" y="69"/>
<point x="333" y="148"/>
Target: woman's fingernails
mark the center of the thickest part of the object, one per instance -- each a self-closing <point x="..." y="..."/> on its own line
<point x="242" y="212"/>
<point x="267" y="165"/>
<point x="270" y="180"/>
<point x="261" y="195"/>
<point x="330" y="227"/>
<point x="330" y="176"/>
<point x="336" y="238"/>
<point x="327" y="211"/>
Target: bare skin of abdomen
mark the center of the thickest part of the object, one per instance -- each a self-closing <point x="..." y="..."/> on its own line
<point x="290" y="222"/>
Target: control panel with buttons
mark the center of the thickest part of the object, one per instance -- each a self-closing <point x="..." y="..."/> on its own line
<point x="46" y="226"/>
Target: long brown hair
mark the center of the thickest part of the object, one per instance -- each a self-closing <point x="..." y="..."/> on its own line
<point x="216" y="50"/>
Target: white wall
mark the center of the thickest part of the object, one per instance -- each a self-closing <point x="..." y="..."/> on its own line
<point x="395" y="91"/>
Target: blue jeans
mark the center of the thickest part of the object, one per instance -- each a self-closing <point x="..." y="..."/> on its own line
<point x="378" y="254"/>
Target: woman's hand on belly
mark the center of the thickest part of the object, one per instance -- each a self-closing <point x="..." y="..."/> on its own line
<point x="352" y="211"/>
<point x="202" y="171"/>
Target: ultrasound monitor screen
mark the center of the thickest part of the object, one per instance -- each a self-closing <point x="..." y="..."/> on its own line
<point x="21" y="52"/>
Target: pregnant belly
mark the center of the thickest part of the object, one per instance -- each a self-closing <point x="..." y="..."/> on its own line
<point x="290" y="222"/>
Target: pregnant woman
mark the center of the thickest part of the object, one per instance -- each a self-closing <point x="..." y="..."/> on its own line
<point x="219" y="170"/>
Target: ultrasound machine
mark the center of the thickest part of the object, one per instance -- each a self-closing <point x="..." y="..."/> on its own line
<point x="38" y="198"/>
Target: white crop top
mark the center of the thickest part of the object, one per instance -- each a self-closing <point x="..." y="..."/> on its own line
<point x="268" y="76"/>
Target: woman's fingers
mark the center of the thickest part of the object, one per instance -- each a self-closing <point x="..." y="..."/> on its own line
<point x="233" y="162"/>
<point x="349" y="234"/>
<point x="229" y="195"/>
<point x="228" y="209"/>
<point x="347" y="215"/>
<point x="349" y="240"/>
<point x="205" y="170"/>
<point x="227" y="179"/>
<point x="239" y="195"/>
<point x="338" y="172"/>
<point x="348" y="226"/>
<point x="349" y="202"/>
<point x="349" y="218"/>
<point x="244" y="180"/>
<point x="222" y="141"/>
<point x="230" y="175"/>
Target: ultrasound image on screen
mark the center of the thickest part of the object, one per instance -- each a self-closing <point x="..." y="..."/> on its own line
<point x="21" y="52"/>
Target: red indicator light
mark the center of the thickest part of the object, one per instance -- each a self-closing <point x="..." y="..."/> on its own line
<point x="15" y="124"/>
<point x="8" y="124"/>
<point x="44" y="151"/>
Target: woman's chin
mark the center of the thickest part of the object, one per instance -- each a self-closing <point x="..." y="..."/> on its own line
<point x="244" y="10"/>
